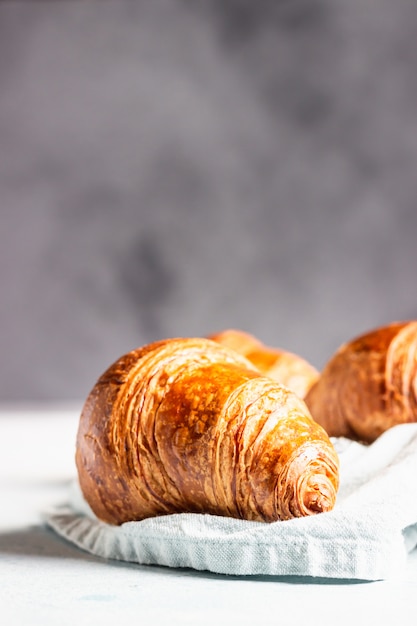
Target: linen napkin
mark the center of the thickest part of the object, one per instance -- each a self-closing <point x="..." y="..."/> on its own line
<point x="366" y="536"/>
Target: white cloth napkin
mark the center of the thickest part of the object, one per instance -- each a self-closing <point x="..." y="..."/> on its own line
<point x="367" y="535"/>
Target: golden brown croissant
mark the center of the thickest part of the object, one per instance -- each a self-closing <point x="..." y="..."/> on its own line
<point x="187" y="425"/>
<point x="287" y="368"/>
<point x="369" y="385"/>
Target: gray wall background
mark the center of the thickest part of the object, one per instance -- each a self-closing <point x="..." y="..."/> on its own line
<point x="174" y="168"/>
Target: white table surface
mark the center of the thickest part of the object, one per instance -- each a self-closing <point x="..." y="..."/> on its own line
<point x="44" y="580"/>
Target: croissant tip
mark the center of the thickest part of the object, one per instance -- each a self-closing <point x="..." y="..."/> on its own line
<point x="319" y="495"/>
<point x="319" y="504"/>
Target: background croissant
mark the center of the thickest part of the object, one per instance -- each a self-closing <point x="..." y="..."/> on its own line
<point x="189" y="425"/>
<point x="286" y="367"/>
<point x="369" y="385"/>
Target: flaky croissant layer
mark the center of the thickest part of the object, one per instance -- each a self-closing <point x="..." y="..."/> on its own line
<point x="369" y="384"/>
<point x="287" y="368"/>
<point x="187" y="425"/>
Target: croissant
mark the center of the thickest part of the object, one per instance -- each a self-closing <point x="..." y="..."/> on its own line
<point x="287" y="368"/>
<point x="187" y="425"/>
<point x="369" y="385"/>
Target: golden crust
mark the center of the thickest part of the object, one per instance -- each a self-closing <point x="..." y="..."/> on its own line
<point x="187" y="425"/>
<point x="287" y="368"/>
<point x="369" y="385"/>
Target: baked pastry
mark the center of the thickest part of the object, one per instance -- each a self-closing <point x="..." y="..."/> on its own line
<point x="187" y="425"/>
<point x="369" y="385"/>
<point x="287" y="368"/>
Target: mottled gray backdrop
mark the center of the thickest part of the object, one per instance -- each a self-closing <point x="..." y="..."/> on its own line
<point x="174" y="168"/>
